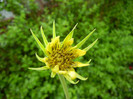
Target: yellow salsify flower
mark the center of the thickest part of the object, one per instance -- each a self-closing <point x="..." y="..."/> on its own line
<point x="60" y="55"/>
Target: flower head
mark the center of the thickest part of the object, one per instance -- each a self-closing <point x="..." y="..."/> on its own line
<point x="60" y="55"/>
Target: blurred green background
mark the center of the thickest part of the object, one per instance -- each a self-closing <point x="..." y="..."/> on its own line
<point x="110" y="75"/>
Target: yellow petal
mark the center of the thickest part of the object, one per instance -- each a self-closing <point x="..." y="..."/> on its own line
<point x="40" y="68"/>
<point x="55" y="69"/>
<point x="53" y="74"/>
<point x="68" y="43"/>
<point x="80" y="77"/>
<point x="55" y="43"/>
<point x="48" y="48"/>
<point x="79" y="52"/>
<point x="79" y="64"/>
<point x="70" y="80"/>
<point x="69" y="36"/>
<point x="72" y="74"/>
<point x="62" y="72"/>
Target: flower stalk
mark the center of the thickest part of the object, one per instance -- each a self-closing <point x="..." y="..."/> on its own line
<point x="64" y="85"/>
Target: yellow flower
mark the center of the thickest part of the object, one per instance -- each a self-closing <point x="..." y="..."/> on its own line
<point x="60" y="55"/>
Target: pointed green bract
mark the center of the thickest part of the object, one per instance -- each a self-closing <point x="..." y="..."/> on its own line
<point x="88" y="62"/>
<point x="70" y="80"/>
<point x="39" y="58"/>
<point x="39" y="43"/>
<point x="87" y="48"/>
<point x="40" y="68"/>
<point x="80" y="77"/>
<point x="69" y="36"/>
<point x="44" y="37"/>
<point x="54" y="34"/>
<point x="84" y="40"/>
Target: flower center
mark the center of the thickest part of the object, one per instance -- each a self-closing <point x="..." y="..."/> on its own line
<point x="62" y="57"/>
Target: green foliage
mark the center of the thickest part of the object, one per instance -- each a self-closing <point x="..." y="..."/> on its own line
<point x="109" y="76"/>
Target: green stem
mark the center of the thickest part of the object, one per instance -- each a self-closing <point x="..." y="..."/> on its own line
<point x="63" y="82"/>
